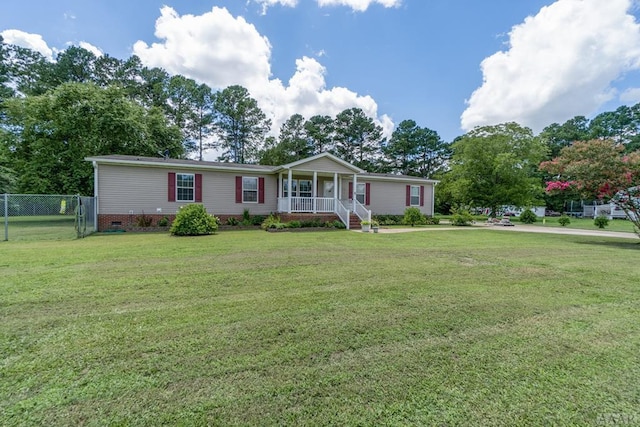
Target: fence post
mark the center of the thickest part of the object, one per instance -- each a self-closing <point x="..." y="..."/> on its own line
<point x="6" y="217"/>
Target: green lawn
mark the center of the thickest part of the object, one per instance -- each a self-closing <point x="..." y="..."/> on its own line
<point x="587" y="224"/>
<point x="49" y="227"/>
<point x="321" y="328"/>
<point x="622" y="225"/>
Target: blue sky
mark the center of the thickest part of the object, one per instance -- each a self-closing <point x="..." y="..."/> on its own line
<point x="447" y="64"/>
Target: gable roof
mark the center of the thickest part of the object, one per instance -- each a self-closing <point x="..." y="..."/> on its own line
<point x="326" y="155"/>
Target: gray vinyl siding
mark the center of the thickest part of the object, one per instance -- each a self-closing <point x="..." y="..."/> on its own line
<point x="390" y="197"/>
<point x="122" y="189"/>
<point x="323" y="165"/>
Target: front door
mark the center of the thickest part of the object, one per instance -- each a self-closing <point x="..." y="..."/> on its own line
<point x="327" y="190"/>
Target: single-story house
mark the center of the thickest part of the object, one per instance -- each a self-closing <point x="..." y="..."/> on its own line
<point x="319" y="186"/>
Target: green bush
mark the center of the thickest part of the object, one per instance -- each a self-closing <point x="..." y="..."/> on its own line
<point x="564" y="220"/>
<point x="601" y="221"/>
<point x="294" y="224"/>
<point x="193" y="220"/>
<point x="432" y="220"/>
<point x="462" y="219"/>
<point x="257" y="219"/>
<point x="163" y="222"/>
<point x="413" y="216"/>
<point x="461" y="216"/>
<point x="389" y="219"/>
<point x="339" y="225"/>
<point x="233" y="221"/>
<point x="246" y="218"/>
<point x="315" y="222"/>
<point x="144" y="220"/>
<point x="272" y="221"/>
<point x="528" y="217"/>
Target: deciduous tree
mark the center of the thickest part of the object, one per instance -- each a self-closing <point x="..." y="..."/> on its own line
<point x="494" y="166"/>
<point x="599" y="168"/>
<point x="54" y="132"/>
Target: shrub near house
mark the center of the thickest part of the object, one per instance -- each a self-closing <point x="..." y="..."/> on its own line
<point x="193" y="220"/>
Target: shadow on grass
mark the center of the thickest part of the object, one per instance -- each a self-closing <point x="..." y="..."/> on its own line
<point x="611" y="244"/>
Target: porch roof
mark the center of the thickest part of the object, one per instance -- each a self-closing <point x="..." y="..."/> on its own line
<point x="299" y="164"/>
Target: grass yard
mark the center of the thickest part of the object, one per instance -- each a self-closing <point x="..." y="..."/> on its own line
<point x="622" y="225"/>
<point x="327" y="328"/>
<point x="44" y="227"/>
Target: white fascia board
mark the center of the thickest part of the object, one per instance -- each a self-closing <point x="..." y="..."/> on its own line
<point x="169" y="165"/>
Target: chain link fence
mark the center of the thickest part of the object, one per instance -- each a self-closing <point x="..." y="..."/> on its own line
<point x="47" y="217"/>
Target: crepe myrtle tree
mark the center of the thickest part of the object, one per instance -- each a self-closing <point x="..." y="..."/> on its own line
<point x="599" y="168"/>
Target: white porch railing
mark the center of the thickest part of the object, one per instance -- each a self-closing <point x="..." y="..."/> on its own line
<point x="343" y="213"/>
<point x="363" y="213"/>
<point x="322" y="205"/>
<point x="306" y="204"/>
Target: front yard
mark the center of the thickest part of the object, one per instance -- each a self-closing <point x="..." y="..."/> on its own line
<point x="340" y="328"/>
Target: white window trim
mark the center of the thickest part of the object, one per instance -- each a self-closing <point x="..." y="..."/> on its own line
<point x="363" y="186"/>
<point x="412" y="196"/>
<point x="257" y="190"/>
<point x="310" y="192"/>
<point x="193" y="188"/>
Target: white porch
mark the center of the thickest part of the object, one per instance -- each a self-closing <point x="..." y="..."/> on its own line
<point x="322" y="195"/>
<point x="306" y="204"/>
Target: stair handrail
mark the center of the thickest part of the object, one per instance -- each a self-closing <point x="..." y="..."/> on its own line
<point x="343" y="213"/>
<point x="361" y="211"/>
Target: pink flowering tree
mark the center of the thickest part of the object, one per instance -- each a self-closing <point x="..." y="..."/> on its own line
<point x="601" y="169"/>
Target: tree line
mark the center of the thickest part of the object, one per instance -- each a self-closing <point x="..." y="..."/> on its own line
<point x="54" y="114"/>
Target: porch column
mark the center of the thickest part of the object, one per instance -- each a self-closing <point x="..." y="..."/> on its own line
<point x="289" y="188"/>
<point x="353" y="194"/>
<point x="280" y="190"/>
<point x="433" y="199"/>
<point x="335" y="191"/>
<point x="315" y="191"/>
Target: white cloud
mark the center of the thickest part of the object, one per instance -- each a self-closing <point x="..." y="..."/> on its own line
<point x="560" y="64"/>
<point x="28" y="40"/>
<point x="359" y="5"/>
<point x="307" y="94"/>
<point x="215" y="48"/>
<point x="630" y="96"/>
<point x="91" y="48"/>
<point x="268" y="3"/>
<point x="220" y="50"/>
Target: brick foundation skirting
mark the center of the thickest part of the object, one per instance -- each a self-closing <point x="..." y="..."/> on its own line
<point x="109" y="222"/>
